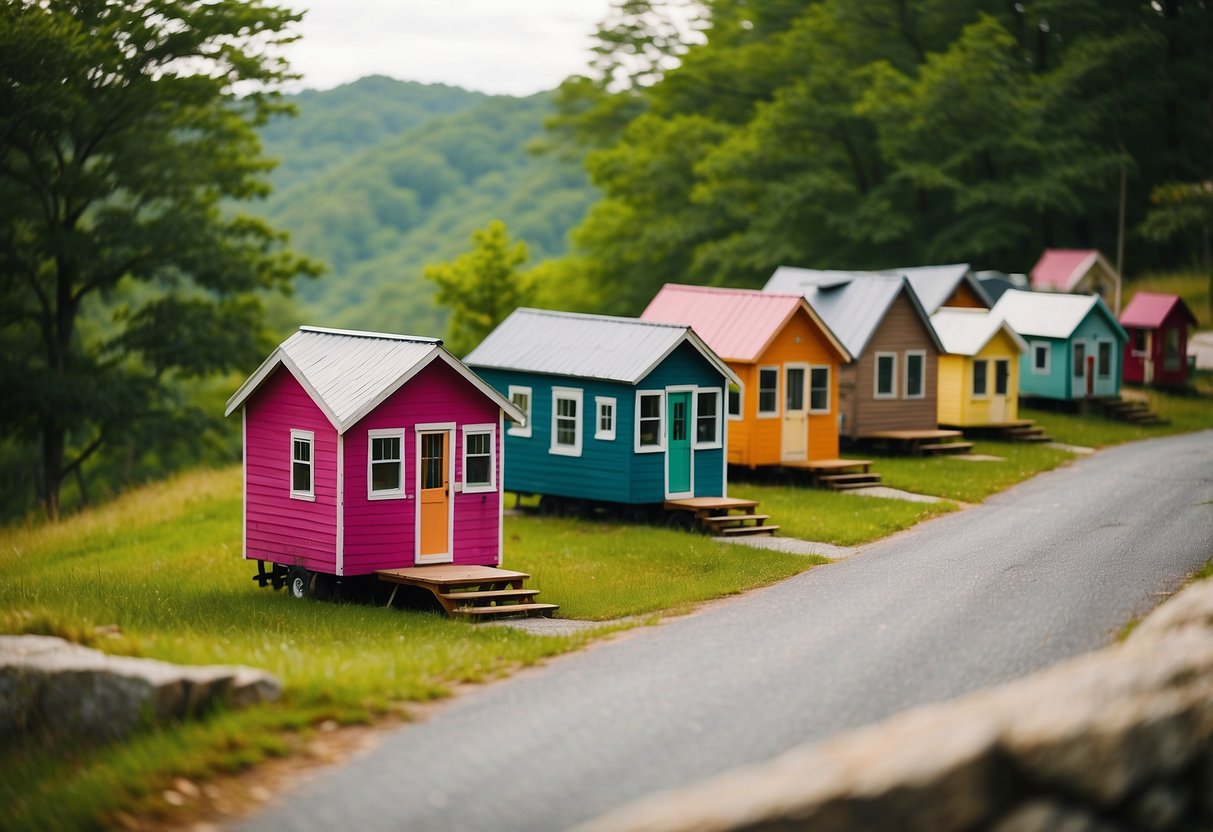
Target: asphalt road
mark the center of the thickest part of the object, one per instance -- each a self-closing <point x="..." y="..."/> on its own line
<point x="1044" y="571"/>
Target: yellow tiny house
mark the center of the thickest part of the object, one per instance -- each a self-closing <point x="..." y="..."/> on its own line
<point x="979" y="369"/>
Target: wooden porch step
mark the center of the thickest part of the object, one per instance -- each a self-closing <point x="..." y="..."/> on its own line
<point x="506" y="609"/>
<point x="738" y="518"/>
<point x="742" y="531"/>
<point x="945" y="447"/>
<point x="842" y="478"/>
<point x="491" y="594"/>
<point x="852" y="486"/>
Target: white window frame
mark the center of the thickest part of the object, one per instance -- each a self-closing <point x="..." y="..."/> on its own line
<point x="660" y="446"/>
<point x="876" y="394"/>
<point x="740" y="414"/>
<point x="1047" y="369"/>
<point x="524" y="429"/>
<point x="922" y="393"/>
<point x="985" y="362"/>
<point x="386" y="493"/>
<point x="769" y="414"/>
<point x="715" y="441"/>
<point x="601" y="402"/>
<point x="477" y="430"/>
<point x="574" y="394"/>
<point x="310" y="438"/>
<point x="829" y="384"/>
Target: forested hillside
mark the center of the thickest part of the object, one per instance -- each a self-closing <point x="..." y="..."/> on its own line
<point x="878" y="133"/>
<point x="380" y="177"/>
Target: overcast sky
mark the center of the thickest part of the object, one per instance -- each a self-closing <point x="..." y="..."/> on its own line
<point x="496" y="46"/>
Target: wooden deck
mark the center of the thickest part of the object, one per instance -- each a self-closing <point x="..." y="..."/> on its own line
<point x="921" y="442"/>
<point x="1015" y="430"/>
<point x="837" y="474"/>
<point x="472" y="591"/>
<point x="714" y="515"/>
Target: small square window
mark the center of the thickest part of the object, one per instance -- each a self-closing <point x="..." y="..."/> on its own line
<point x="707" y="418"/>
<point x="604" y="418"/>
<point x="302" y="465"/>
<point x="479" y="459"/>
<point x="648" y="421"/>
<point x="385" y="464"/>
<point x="521" y="397"/>
<point x="819" y="390"/>
<point x="1042" y="358"/>
<point x="916" y="364"/>
<point x="768" y="391"/>
<point x="566" y="421"/>
<point x="886" y="375"/>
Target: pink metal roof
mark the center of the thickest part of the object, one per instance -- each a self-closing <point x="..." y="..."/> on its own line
<point x="736" y="323"/>
<point x="1148" y="310"/>
<point x="1057" y="266"/>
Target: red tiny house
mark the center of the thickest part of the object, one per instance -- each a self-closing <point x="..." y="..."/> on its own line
<point x="1156" y="351"/>
<point x="345" y="433"/>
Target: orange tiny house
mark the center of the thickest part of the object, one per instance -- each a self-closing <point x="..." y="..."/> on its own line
<point x="785" y="411"/>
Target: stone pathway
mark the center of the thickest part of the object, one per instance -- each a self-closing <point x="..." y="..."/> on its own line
<point x="895" y="494"/>
<point x="554" y="626"/>
<point x="1077" y="450"/>
<point x="978" y="457"/>
<point x="794" y="546"/>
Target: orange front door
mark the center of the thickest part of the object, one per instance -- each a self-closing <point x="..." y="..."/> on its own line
<point x="435" y="497"/>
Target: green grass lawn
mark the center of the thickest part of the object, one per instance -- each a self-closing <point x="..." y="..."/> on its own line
<point x="835" y="517"/>
<point x="1186" y="414"/>
<point x="967" y="481"/>
<point x="161" y="566"/>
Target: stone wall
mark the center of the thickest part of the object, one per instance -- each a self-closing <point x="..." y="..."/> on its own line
<point x="51" y="687"/>
<point x="1118" y="739"/>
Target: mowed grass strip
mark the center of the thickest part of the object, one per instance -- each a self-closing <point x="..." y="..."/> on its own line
<point x="835" y="517"/>
<point x="965" y="480"/>
<point x="1186" y="413"/>
<point x="158" y="573"/>
<point x="599" y="570"/>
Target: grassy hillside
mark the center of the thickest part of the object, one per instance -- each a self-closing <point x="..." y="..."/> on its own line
<point x="381" y="177"/>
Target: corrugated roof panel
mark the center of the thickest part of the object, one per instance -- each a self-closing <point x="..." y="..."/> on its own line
<point x="852" y="308"/>
<point x="1045" y="314"/>
<point x="935" y="284"/>
<point x="573" y="344"/>
<point x="967" y="331"/>
<point x="1150" y="309"/>
<point x="736" y="323"/>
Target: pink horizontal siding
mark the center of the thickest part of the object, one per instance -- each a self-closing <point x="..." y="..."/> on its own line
<point x="379" y="534"/>
<point x="280" y="529"/>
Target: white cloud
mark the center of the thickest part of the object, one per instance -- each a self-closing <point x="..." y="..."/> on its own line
<point x="497" y="46"/>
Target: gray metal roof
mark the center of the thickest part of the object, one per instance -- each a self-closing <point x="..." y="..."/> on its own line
<point x="851" y="303"/>
<point x="349" y="373"/>
<point x="935" y="284"/>
<point x="585" y="346"/>
<point x="967" y="331"/>
<point x="1050" y="314"/>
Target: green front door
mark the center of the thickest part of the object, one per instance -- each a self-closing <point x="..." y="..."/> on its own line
<point x="678" y="443"/>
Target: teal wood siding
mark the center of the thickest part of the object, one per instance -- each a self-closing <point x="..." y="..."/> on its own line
<point x="1093" y="330"/>
<point x="609" y="470"/>
<point x="1054" y="384"/>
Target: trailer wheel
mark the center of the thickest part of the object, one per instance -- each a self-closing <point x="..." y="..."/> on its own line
<point x="299" y="583"/>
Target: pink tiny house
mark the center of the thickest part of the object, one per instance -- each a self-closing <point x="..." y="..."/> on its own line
<point x="1157" y="349"/>
<point x="366" y="452"/>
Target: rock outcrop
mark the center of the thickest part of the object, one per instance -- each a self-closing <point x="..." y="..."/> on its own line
<point x="50" y="686"/>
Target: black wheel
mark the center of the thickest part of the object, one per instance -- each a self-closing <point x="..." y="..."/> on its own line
<point x="299" y="583"/>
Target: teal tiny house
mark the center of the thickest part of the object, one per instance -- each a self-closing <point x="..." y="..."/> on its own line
<point x="617" y="410"/>
<point x="1074" y="343"/>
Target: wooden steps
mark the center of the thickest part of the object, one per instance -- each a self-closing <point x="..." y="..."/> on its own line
<point x="838" y="474"/>
<point x="476" y="592"/>
<point x="938" y="448"/>
<point x="1133" y="411"/>
<point x="714" y="515"/>
<point x="924" y="442"/>
<point x="1026" y="431"/>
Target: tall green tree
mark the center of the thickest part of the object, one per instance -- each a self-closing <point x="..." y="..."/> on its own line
<point x="127" y="128"/>
<point x="481" y="287"/>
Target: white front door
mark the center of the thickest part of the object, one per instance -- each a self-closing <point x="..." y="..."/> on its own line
<point x="795" y="413"/>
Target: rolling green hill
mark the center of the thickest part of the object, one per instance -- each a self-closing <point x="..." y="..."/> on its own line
<point x="380" y="177"/>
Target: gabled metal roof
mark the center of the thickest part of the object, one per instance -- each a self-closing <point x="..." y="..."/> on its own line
<point x="585" y="346"/>
<point x="851" y="303"/>
<point x="967" y="331"/>
<point x="1060" y="269"/>
<point x="737" y="324"/>
<point x="1148" y="310"/>
<point x="1049" y="314"/>
<point x="935" y="284"/>
<point x="349" y="373"/>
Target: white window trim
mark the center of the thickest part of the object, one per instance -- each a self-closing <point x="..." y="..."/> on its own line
<point x="599" y="403"/>
<point x="660" y="446"/>
<point x="524" y="429"/>
<point x="922" y="394"/>
<point x="740" y="415"/>
<point x="715" y="442"/>
<point x="876" y="394"/>
<point x="572" y="394"/>
<point x="769" y="414"/>
<point x="387" y="493"/>
<point x="1047" y="369"/>
<point x="491" y="485"/>
<point x="973" y="379"/>
<point x="309" y="437"/>
<point x="829" y="385"/>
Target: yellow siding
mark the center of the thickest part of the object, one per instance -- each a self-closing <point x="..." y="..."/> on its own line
<point x="953" y="370"/>
<point x="958" y="406"/>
